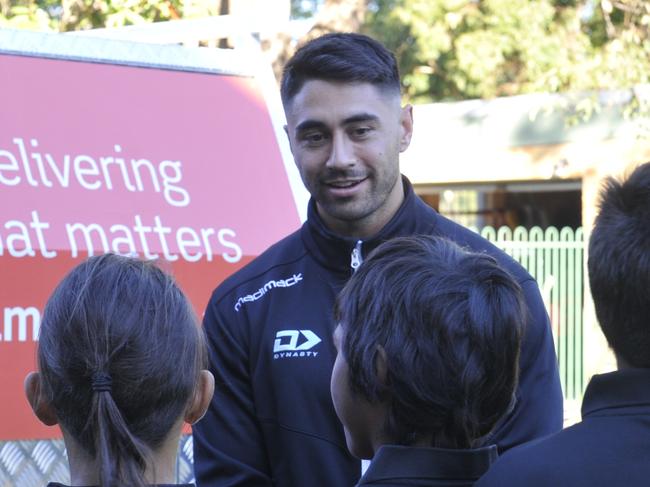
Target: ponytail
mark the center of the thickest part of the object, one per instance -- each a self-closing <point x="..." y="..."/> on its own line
<point x="121" y="457"/>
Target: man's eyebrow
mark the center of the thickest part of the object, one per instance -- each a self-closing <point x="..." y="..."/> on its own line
<point x="309" y="124"/>
<point x="356" y="118"/>
<point x="361" y="117"/>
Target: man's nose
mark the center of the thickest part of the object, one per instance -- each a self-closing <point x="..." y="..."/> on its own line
<point x="343" y="154"/>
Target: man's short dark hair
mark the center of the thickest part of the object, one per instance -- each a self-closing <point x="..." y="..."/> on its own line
<point x="450" y="323"/>
<point x="344" y="57"/>
<point x="619" y="266"/>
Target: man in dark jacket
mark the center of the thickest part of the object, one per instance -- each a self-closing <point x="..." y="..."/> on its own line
<point x="611" y="445"/>
<point x="270" y="325"/>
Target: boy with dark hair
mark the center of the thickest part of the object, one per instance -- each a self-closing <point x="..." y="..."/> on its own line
<point x="611" y="446"/>
<point x="270" y="325"/>
<point x="428" y="344"/>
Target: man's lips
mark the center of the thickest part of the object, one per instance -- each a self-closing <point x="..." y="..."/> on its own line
<point x="343" y="183"/>
<point x="344" y="188"/>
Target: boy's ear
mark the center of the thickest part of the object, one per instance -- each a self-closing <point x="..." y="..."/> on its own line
<point x="37" y="400"/>
<point x="381" y="365"/>
<point x="202" y="397"/>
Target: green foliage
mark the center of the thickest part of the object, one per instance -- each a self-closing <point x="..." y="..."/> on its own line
<point x="88" y="14"/>
<point x="459" y="49"/>
<point x="304" y="9"/>
<point x="446" y="49"/>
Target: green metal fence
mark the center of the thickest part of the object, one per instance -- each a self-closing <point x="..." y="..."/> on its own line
<point x="555" y="258"/>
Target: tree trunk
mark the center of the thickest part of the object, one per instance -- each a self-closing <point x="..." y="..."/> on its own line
<point x="335" y="16"/>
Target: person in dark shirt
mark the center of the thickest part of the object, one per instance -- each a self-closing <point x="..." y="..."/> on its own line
<point x="428" y="341"/>
<point x="269" y="325"/>
<point x="611" y="445"/>
<point x="121" y="362"/>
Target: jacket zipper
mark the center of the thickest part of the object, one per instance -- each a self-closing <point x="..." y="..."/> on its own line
<point x="356" y="258"/>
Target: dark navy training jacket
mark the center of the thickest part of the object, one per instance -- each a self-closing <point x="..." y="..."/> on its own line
<point x="269" y="328"/>
<point x="610" y="447"/>
<point x="408" y="466"/>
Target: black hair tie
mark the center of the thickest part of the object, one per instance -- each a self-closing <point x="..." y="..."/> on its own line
<point x="101" y="382"/>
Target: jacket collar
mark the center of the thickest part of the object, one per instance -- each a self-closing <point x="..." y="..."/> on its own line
<point x="334" y="251"/>
<point x="393" y="462"/>
<point x="626" y="388"/>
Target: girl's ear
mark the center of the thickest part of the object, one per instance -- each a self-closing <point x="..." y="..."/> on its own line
<point x="37" y="400"/>
<point x="202" y="397"/>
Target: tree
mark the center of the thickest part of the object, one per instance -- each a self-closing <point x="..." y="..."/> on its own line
<point x="52" y="15"/>
<point x="327" y="16"/>
<point x="446" y="49"/>
<point x="305" y="9"/>
<point x="459" y="49"/>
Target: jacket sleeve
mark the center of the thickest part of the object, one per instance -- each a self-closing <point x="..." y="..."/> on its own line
<point x="538" y="410"/>
<point x="228" y="444"/>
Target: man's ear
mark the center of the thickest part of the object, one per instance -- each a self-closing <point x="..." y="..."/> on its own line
<point x="202" y="397"/>
<point x="286" y="131"/>
<point x="406" y="123"/>
<point x="37" y="400"/>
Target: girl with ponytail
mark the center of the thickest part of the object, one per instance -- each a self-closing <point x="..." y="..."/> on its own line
<point x="122" y="364"/>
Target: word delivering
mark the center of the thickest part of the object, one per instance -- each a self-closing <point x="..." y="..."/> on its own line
<point x="28" y="165"/>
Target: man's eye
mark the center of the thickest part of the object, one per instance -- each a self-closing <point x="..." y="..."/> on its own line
<point x="361" y="132"/>
<point x="314" y="138"/>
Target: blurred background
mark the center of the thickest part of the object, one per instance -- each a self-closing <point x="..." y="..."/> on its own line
<point x="521" y="108"/>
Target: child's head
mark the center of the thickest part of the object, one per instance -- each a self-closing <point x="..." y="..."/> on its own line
<point x="619" y="266"/>
<point x="428" y="341"/>
<point x="121" y="361"/>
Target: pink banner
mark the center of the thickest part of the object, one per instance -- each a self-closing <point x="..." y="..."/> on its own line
<point x="177" y="166"/>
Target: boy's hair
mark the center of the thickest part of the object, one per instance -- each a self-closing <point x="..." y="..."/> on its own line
<point x="619" y="266"/>
<point x="450" y="323"/>
<point x="120" y="352"/>
<point x="344" y="57"/>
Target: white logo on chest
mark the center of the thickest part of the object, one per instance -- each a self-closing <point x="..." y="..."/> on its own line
<point x="288" y="344"/>
<point x="292" y="281"/>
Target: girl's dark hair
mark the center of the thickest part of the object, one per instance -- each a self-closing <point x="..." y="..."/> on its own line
<point x="450" y="323"/>
<point x="120" y="352"/>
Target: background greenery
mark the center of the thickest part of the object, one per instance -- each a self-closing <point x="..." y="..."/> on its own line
<point x="447" y="49"/>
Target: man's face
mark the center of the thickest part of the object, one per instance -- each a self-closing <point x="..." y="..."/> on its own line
<point x="362" y="421"/>
<point x="346" y="139"/>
